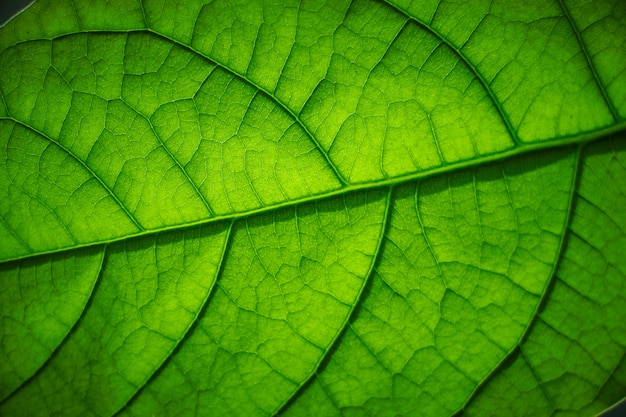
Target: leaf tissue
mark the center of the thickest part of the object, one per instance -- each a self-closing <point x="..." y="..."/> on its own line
<point x="313" y="208"/>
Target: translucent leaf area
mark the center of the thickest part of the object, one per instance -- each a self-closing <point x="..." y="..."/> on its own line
<point x="313" y="208"/>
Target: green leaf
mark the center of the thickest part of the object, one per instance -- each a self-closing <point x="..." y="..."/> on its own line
<point x="313" y="208"/>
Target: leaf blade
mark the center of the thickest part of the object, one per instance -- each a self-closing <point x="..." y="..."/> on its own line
<point x="345" y="120"/>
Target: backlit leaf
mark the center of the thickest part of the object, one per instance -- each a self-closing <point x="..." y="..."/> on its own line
<point x="313" y="208"/>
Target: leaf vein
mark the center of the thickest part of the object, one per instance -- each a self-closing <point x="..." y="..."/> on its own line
<point x="84" y="165"/>
<point x="65" y="339"/>
<point x="487" y="86"/>
<point x="588" y="59"/>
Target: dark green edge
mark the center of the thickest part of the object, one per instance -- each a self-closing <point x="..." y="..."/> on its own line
<point x="517" y="351"/>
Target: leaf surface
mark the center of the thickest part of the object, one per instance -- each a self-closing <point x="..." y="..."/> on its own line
<point x="313" y="208"/>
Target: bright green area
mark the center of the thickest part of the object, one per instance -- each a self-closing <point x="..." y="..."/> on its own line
<point x="313" y="208"/>
<point x="532" y="59"/>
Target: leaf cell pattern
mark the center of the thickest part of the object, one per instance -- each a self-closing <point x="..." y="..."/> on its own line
<point x="313" y="208"/>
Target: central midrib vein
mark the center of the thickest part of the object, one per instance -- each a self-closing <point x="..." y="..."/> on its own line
<point x="444" y="169"/>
